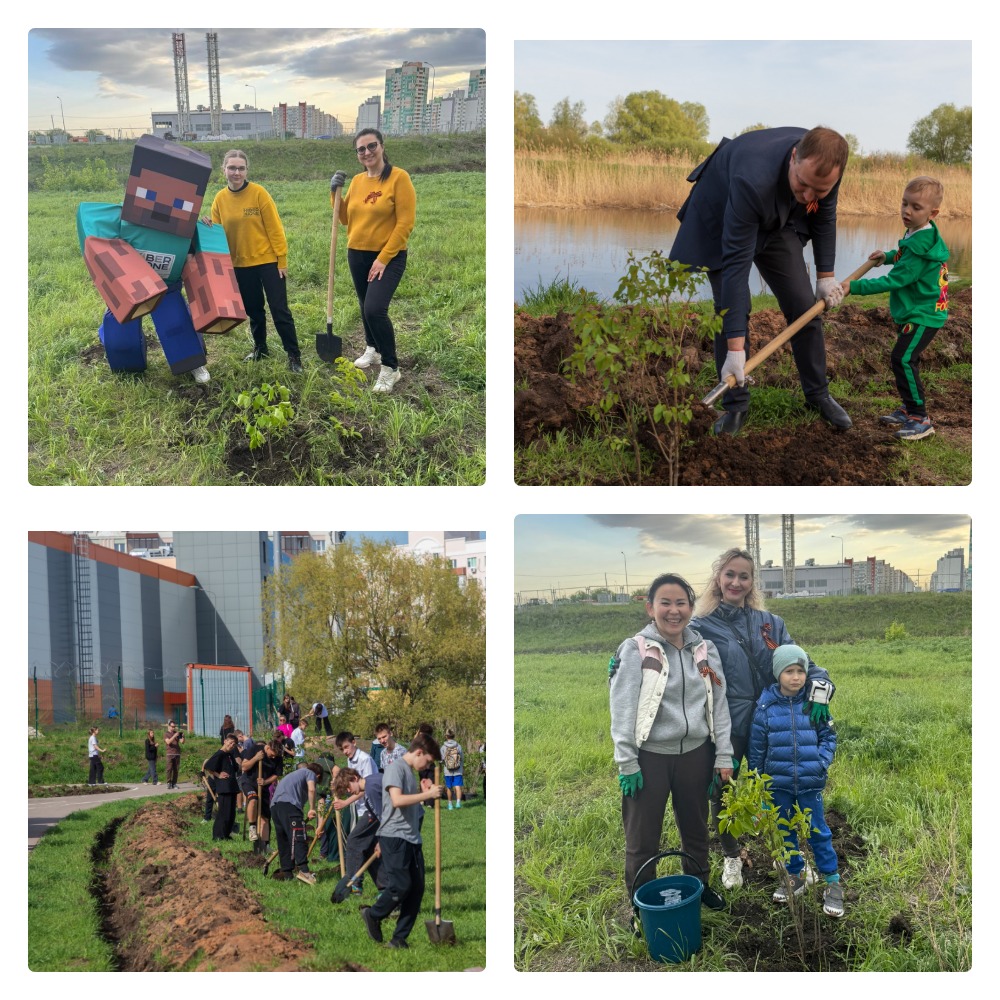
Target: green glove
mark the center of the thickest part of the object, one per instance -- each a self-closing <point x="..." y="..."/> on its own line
<point x="818" y="713"/>
<point x="630" y="784"/>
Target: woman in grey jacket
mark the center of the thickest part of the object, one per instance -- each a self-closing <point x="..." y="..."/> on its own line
<point x="670" y="729"/>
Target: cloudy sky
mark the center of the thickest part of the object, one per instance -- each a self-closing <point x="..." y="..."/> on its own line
<point x="578" y="550"/>
<point x="113" y="78"/>
<point x="873" y="89"/>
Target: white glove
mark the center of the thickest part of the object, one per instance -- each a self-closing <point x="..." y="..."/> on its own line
<point x="829" y="290"/>
<point x="733" y="365"/>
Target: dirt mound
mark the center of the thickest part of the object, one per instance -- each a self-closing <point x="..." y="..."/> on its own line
<point x="858" y="343"/>
<point x="172" y="907"/>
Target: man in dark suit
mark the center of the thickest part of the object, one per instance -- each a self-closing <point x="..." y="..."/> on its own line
<point x="758" y="199"/>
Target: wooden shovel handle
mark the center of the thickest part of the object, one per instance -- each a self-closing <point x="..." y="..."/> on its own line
<point x="437" y="845"/>
<point x="333" y="254"/>
<point x="781" y="339"/>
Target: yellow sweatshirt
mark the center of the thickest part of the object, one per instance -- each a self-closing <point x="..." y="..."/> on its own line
<point x="379" y="214"/>
<point x="253" y="229"/>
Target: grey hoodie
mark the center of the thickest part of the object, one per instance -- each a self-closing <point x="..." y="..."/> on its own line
<point x="680" y="725"/>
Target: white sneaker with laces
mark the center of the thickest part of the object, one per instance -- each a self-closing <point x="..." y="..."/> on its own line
<point x="732" y="872"/>
<point x="201" y="375"/>
<point x="387" y="378"/>
<point x="369" y="358"/>
<point x="808" y="873"/>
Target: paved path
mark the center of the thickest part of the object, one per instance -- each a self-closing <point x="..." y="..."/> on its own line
<point x="43" y="814"/>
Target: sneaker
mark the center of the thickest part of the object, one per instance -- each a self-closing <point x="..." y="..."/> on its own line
<point x="356" y="889"/>
<point x="833" y="899"/>
<point x="397" y="943"/>
<point x="732" y="872"/>
<point x="294" y="365"/>
<point x="808" y="873"/>
<point x="201" y="375"/>
<point x="914" y="429"/>
<point x="308" y="877"/>
<point x="798" y="887"/>
<point x="895" y="419"/>
<point x="711" y="899"/>
<point x="255" y="356"/>
<point x="450" y="805"/>
<point x="282" y="876"/>
<point x="387" y="378"/>
<point x="373" y="926"/>
<point x="369" y="358"/>
<point x="635" y="926"/>
<point x="252" y="833"/>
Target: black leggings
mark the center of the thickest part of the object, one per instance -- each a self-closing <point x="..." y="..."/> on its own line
<point x="374" y="298"/>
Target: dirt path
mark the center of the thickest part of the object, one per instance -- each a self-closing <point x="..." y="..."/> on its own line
<point x="858" y="344"/>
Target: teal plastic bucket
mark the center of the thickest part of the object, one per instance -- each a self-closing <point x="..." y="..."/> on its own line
<point x="670" y="911"/>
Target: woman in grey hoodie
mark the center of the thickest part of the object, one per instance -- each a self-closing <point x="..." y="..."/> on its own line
<point x="670" y="729"/>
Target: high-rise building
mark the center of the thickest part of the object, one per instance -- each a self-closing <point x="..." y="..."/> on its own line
<point x="370" y="113"/>
<point x="404" y="105"/>
<point x="950" y="572"/>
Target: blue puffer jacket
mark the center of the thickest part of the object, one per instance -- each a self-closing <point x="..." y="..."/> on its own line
<point x="787" y="746"/>
<point x="746" y="639"/>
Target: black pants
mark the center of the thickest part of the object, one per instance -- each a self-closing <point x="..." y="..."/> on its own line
<point x="290" y="828"/>
<point x="256" y="283"/>
<point x="684" y="779"/>
<point x="403" y="871"/>
<point x="730" y="845"/>
<point x="324" y="724"/>
<point x="783" y="267"/>
<point x="225" y="816"/>
<point x="910" y="343"/>
<point x="96" y="771"/>
<point x="360" y="846"/>
<point x="374" y="298"/>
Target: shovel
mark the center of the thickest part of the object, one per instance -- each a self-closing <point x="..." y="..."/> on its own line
<point x="780" y="340"/>
<point x="328" y="346"/>
<point x="343" y="888"/>
<point x="340" y="843"/>
<point x="439" y="931"/>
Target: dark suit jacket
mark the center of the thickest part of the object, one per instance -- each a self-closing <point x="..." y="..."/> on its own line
<point x="741" y="197"/>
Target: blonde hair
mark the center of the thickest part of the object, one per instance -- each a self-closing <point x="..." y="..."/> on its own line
<point x="232" y="155"/>
<point x="930" y="186"/>
<point x="711" y="598"/>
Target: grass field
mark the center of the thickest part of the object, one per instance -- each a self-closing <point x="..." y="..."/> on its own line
<point x="901" y="780"/>
<point x="88" y="426"/>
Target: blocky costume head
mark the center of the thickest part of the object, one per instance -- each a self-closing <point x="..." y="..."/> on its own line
<point x="166" y="186"/>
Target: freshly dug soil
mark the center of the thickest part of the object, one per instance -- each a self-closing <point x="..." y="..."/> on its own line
<point x="179" y="908"/>
<point x="858" y="343"/>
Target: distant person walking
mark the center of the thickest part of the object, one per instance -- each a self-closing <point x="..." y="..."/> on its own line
<point x="173" y="740"/>
<point x="453" y="757"/>
<point x="96" y="764"/>
<point x="152" y="749"/>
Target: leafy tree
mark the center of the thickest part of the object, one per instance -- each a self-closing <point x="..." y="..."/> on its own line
<point x="853" y="144"/>
<point x="945" y="135"/>
<point x="568" y="122"/>
<point x="698" y="115"/>
<point x="527" y="124"/>
<point x="753" y="128"/>
<point x="377" y="634"/>
<point x="94" y="134"/>
<point x="648" y="116"/>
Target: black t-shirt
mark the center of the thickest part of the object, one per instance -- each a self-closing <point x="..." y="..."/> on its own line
<point x="222" y="761"/>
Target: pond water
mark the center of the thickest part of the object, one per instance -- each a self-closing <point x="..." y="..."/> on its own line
<point x="591" y="247"/>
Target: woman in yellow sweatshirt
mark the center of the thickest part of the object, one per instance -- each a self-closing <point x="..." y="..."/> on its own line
<point x="260" y="256"/>
<point x="379" y="210"/>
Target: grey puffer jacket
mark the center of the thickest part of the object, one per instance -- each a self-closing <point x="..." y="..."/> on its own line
<point x="680" y="724"/>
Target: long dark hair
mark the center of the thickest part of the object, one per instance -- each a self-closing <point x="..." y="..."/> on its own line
<point x="387" y="168"/>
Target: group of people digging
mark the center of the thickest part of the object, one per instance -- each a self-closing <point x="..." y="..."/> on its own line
<point x="759" y="199"/>
<point x="708" y="682"/>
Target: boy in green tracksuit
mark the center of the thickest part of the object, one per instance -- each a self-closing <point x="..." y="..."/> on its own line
<point x="918" y="300"/>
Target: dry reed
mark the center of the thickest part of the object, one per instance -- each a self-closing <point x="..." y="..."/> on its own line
<point x="572" y="179"/>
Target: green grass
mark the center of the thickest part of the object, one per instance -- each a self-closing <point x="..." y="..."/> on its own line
<point x="64" y="924"/>
<point x="901" y="778"/>
<point x="89" y="426"/>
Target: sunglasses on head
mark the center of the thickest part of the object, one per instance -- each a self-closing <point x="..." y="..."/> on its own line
<point x="371" y="147"/>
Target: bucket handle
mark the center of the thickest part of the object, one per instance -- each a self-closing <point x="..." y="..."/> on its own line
<point x="653" y="860"/>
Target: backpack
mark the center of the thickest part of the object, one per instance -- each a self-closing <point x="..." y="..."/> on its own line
<point x="452" y="757"/>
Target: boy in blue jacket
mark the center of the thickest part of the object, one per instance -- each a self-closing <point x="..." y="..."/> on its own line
<point x="797" y="754"/>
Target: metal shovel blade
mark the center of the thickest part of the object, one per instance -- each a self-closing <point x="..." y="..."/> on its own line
<point x="342" y="889"/>
<point x="440" y="931"/>
<point x="328" y="345"/>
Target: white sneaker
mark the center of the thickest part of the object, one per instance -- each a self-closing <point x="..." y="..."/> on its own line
<point x="252" y="833"/>
<point x="369" y="358"/>
<point x="201" y="375"/>
<point x="732" y="872"/>
<point x="387" y="378"/>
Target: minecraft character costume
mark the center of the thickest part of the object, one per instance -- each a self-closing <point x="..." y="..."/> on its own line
<point x="141" y="252"/>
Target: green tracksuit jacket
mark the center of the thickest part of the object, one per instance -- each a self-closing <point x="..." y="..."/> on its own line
<point x="918" y="282"/>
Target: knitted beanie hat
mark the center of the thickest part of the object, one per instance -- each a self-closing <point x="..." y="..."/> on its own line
<point x="785" y="656"/>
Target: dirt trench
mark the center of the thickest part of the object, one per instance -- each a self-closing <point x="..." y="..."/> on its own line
<point x="858" y="345"/>
<point x="169" y="906"/>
